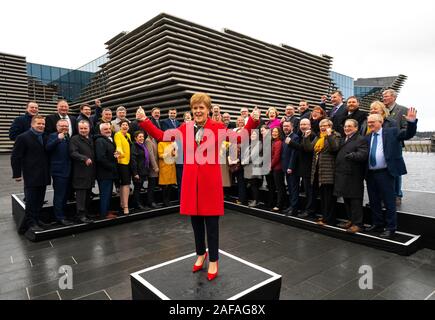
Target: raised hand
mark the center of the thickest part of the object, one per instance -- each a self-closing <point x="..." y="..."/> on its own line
<point x="256" y="114"/>
<point x="140" y="114"/>
<point x="412" y="115"/>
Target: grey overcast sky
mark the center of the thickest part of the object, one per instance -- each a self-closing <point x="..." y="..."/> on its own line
<point x="367" y="38"/>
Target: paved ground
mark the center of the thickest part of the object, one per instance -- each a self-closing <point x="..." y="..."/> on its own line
<point x="313" y="266"/>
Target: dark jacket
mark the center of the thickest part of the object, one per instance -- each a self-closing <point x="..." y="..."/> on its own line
<point x="51" y="120"/>
<point x="338" y="119"/>
<point x="288" y="154"/>
<point x="137" y="161"/>
<point x="391" y="139"/>
<point x="106" y="163"/>
<point x="304" y="157"/>
<point x="324" y="162"/>
<point x="81" y="149"/>
<point x="20" y="125"/>
<point x="29" y="160"/>
<point x="350" y="166"/>
<point x="93" y="120"/>
<point x="60" y="160"/>
<point x="134" y="126"/>
<point x="157" y="123"/>
<point x="358" y="115"/>
<point x="167" y="124"/>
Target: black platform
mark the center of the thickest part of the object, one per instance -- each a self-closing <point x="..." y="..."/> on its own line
<point x="403" y="243"/>
<point x="55" y="230"/>
<point x="174" y="280"/>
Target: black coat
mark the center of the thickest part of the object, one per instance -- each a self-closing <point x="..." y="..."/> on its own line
<point x="105" y="160"/>
<point x="350" y="166"/>
<point x="303" y="158"/>
<point x="137" y="161"/>
<point x="358" y="115"/>
<point x="338" y="119"/>
<point x="51" y="120"/>
<point x="81" y="149"/>
<point x="20" y="125"/>
<point x="29" y="160"/>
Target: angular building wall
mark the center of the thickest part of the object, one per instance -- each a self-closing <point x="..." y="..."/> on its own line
<point x="13" y="94"/>
<point x="163" y="62"/>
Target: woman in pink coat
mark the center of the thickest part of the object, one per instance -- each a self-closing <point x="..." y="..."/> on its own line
<point x="201" y="189"/>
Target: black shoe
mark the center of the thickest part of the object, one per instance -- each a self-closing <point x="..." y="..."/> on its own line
<point x="45" y="202"/>
<point x="141" y="207"/>
<point x="374" y="228"/>
<point x="153" y="205"/>
<point x="387" y="234"/>
<point x="44" y="225"/>
<point x="35" y="228"/>
<point x="288" y="211"/>
<point x="64" y="222"/>
<point x="84" y="220"/>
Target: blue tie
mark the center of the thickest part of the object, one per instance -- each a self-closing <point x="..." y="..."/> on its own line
<point x="373" y="150"/>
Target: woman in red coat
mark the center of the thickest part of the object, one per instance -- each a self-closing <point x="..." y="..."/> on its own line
<point x="201" y="189"/>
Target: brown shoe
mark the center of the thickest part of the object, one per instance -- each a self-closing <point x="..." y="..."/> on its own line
<point x="345" y="225"/>
<point x="111" y="215"/>
<point x="353" y="229"/>
<point x="320" y="222"/>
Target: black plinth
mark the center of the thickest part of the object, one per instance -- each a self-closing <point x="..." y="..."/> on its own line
<point x="174" y="280"/>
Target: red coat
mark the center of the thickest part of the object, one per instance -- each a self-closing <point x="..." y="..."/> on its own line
<point x="201" y="186"/>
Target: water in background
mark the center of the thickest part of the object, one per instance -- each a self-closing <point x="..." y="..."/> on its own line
<point x="421" y="171"/>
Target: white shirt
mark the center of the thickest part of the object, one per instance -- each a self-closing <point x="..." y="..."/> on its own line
<point x="380" y="157"/>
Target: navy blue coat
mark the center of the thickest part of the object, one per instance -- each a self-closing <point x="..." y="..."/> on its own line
<point x="29" y="160"/>
<point x="60" y="160"/>
<point x="167" y="124"/>
<point x="20" y="125"/>
<point x="391" y="139"/>
<point x="288" y="154"/>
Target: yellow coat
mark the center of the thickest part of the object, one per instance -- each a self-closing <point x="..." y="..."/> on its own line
<point x="167" y="171"/>
<point x="123" y="147"/>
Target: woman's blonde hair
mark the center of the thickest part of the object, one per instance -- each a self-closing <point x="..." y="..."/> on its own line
<point x="272" y="109"/>
<point x="379" y="104"/>
<point x="200" y="97"/>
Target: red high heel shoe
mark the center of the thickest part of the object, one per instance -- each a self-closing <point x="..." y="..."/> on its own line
<point x="197" y="268"/>
<point x="211" y="276"/>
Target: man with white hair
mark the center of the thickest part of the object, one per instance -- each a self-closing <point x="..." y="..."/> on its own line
<point x="385" y="163"/>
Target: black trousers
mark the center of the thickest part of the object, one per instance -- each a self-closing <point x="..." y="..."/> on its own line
<point x="354" y="210"/>
<point x="275" y="181"/>
<point x="136" y="191"/>
<point x="310" y="204"/>
<point x="34" y="202"/>
<point x="327" y="203"/>
<point x="152" y="183"/>
<point x="199" y="224"/>
<point x="83" y="200"/>
<point x="255" y="188"/>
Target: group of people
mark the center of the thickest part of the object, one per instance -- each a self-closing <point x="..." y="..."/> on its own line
<point x="326" y="153"/>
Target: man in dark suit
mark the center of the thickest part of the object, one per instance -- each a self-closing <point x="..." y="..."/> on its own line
<point x="397" y="113"/>
<point x="60" y="169"/>
<point x="86" y="114"/>
<point x="171" y="122"/>
<point x="385" y="163"/>
<point x="155" y="117"/>
<point x="226" y="119"/>
<point x="353" y="111"/>
<point x="62" y="113"/>
<point x="29" y="162"/>
<point x="304" y="110"/>
<point x="350" y="165"/>
<point x="23" y="123"/>
<point x="338" y="112"/>
<point x="288" y="159"/>
<point x="303" y="166"/>
<point x="82" y="153"/>
<point x="290" y="116"/>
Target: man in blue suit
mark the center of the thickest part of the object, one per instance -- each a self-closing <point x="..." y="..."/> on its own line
<point x="29" y="163"/>
<point x="288" y="159"/>
<point x="385" y="163"/>
<point x="60" y="169"/>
